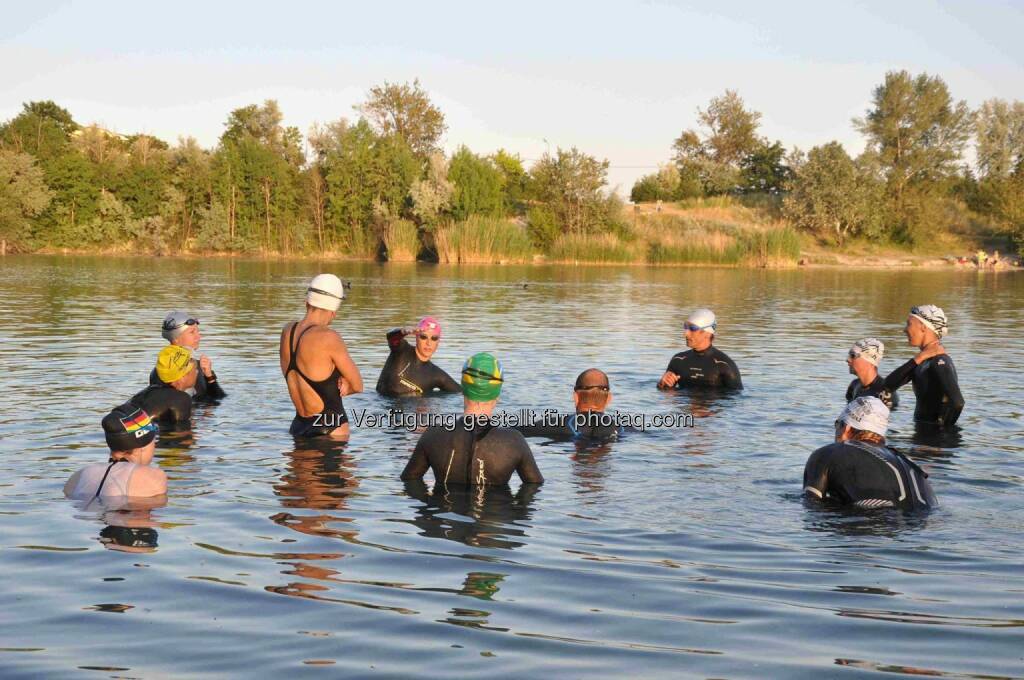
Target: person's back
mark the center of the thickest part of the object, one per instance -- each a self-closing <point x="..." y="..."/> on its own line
<point x="480" y="455"/>
<point x="867" y="475"/>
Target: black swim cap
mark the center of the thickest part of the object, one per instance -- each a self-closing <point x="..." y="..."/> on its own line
<point x="128" y="427"/>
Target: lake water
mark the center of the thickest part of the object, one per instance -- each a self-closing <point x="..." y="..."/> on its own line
<point x="670" y="553"/>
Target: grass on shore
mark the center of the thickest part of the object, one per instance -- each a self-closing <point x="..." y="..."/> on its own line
<point x="483" y="240"/>
<point x="402" y="241"/>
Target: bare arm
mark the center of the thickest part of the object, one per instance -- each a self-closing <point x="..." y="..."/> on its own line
<point x="147" y="481"/>
<point x="70" y="485"/>
<point x="353" y="381"/>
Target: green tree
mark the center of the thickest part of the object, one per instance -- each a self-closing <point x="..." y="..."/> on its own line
<point x="999" y="134"/>
<point x="571" y="184"/>
<point x="764" y="169"/>
<point x="431" y="195"/>
<point x="406" y="111"/>
<point x="515" y="180"/>
<point x="478" y="186"/>
<point x="834" y="197"/>
<point x="191" y="182"/>
<point x="41" y="129"/>
<point x="23" y="195"/>
<point x="715" y="153"/>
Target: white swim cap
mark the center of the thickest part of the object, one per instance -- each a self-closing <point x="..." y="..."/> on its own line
<point x="866" y="413"/>
<point x="932" y="317"/>
<point x="869" y="349"/>
<point x="704" y="319"/>
<point x="325" y="292"/>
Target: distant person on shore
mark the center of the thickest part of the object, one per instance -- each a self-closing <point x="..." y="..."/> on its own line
<point x="936" y="387"/>
<point x="131" y="437"/>
<point x="473" y="451"/>
<point x="701" y="366"/>
<point x="408" y="370"/>
<point x="182" y="329"/>
<point x="168" y="401"/>
<point x="316" y="365"/>
<point x="860" y="470"/>
<point x="589" y="423"/>
<point x="863" y="359"/>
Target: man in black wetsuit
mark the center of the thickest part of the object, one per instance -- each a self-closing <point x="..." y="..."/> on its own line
<point x="168" y="401"/>
<point x="474" y="452"/>
<point x="316" y="364"/>
<point x="939" y="401"/>
<point x="408" y="370"/>
<point x="860" y="470"/>
<point x="182" y="329"/>
<point x="591" y="395"/>
<point x="863" y="360"/>
<point x="702" y="366"/>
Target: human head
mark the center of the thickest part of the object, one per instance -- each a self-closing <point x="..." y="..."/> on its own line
<point x="865" y="355"/>
<point x="863" y="415"/>
<point x="428" y="335"/>
<point x="181" y="328"/>
<point x="481" y="379"/>
<point x="700" y="329"/>
<point x="925" y="324"/>
<point x="176" y="367"/>
<point x="325" y="292"/>
<point x="592" y="391"/>
<point x="130" y="432"/>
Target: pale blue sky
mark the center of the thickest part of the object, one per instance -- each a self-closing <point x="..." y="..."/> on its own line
<point x="618" y="80"/>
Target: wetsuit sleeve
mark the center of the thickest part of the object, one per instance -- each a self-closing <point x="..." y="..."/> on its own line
<point x="527" y="469"/>
<point x="677" y="364"/>
<point x="418" y="463"/>
<point x="395" y="338"/>
<point x="901" y="376"/>
<point x="730" y="375"/>
<point x="849" y="390"/>
<point x="210" y="391"/>
<point x="445" y="382"/>
<point x="954" y="403"/>
<point x="816" y="473"/>
<point x="179" y="406"/>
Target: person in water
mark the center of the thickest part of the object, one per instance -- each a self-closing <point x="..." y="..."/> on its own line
<point x="408" y="370"/>
<point x="316" y="365"/>
<point x="474" y="452"/>
<point x="936" y="387"/>
<point x="131" y="436"/>
<point x="863" y="359"/>
<point x="860" y="470"/>
<point x="168" y="401"/>
<point x="702" y="365"/>
<point x="591" y="395"/>
<point x="182" y="329"/>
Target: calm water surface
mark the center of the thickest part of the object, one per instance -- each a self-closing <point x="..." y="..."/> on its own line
<point x="671" y="553"/>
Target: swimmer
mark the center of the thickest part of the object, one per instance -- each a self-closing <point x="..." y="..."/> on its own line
<point x="860" y="470"/>
<point x="182" y="329"/>
<point x="131" y="436"/>
<point x="591" y="396"/>
<point x="939" y="401"/>
<point x="702" y="365"/>
<point x="473" y="452"/>
<point x="316" y="365"/>
<point x="408" y="370"/>
<point x="863" y="360"/>
<point x="168" y="401"/>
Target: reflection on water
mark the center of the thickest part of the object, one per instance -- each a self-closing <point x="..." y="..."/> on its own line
<point x="667" y="552"/>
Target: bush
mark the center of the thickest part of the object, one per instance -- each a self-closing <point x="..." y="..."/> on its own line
<point x="543" y="226"/>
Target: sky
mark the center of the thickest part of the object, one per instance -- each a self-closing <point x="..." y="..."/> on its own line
<point x="619" y="81"/>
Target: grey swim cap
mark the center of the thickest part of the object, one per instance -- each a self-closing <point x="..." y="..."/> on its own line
<point x="177" y="323"/>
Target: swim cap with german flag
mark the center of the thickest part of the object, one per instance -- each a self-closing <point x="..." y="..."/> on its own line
<point x="173" y="363"/>
<point x="128" y="427"/>
<point x="481" y="377"/>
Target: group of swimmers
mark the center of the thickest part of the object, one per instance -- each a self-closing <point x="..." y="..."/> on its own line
<point x="858" y="468"/>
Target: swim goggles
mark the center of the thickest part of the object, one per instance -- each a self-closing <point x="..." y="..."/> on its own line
<point x="172" y="323"/>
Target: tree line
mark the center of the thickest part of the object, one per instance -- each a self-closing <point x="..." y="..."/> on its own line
<point x="897" y="190"/>
<point x="348" y="184"/>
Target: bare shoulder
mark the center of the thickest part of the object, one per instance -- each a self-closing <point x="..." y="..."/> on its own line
<point x="72" y="482"/>
<point x="148" y="481"/>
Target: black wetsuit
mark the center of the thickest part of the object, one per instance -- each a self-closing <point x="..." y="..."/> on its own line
<point x="939" y="401"/>
<point x="404" y="374"/>
<point x="482" y="455"/>
<point x="868" y="476"/>
<point x="589" y="426"/>
<point x="875" y="389"/>
<point x="165" y="404"/>
<point x="206" y="389"/>
<point x="332" y="415"/>
<point x="710" y="368"/>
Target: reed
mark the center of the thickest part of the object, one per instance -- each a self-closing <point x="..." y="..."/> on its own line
<point x="595" y="249"/>
<point x="484" y="240"/>
<point x="401" y="241"/>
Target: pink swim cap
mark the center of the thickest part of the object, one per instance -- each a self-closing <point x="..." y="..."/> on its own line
<point x="430" y="325"/>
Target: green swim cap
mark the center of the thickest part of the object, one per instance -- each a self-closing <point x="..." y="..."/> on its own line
<point x="481" y="377"/>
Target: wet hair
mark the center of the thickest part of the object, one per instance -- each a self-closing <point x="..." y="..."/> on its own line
<point x="865" y="436"/>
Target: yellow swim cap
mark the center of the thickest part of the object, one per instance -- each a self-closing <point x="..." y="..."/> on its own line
<point x="173" y="363"/>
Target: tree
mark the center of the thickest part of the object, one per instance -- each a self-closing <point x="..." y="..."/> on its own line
<point x="665" y="185"/>
<point x="764" y="170"/>
<point x="833" y="195"/>
<point x="999" y="131"/>
<point x="716" y="152"/>
<point x="478" y="186"/>
<point x="515" y="180"/>
<point x="570" y="184"/>
<point x="23" y="195"/>
<point x="406" y="111"/>
<point x="431" y="195"/>
<point x="41" y="129"/>
<point x="918" y="133"/>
